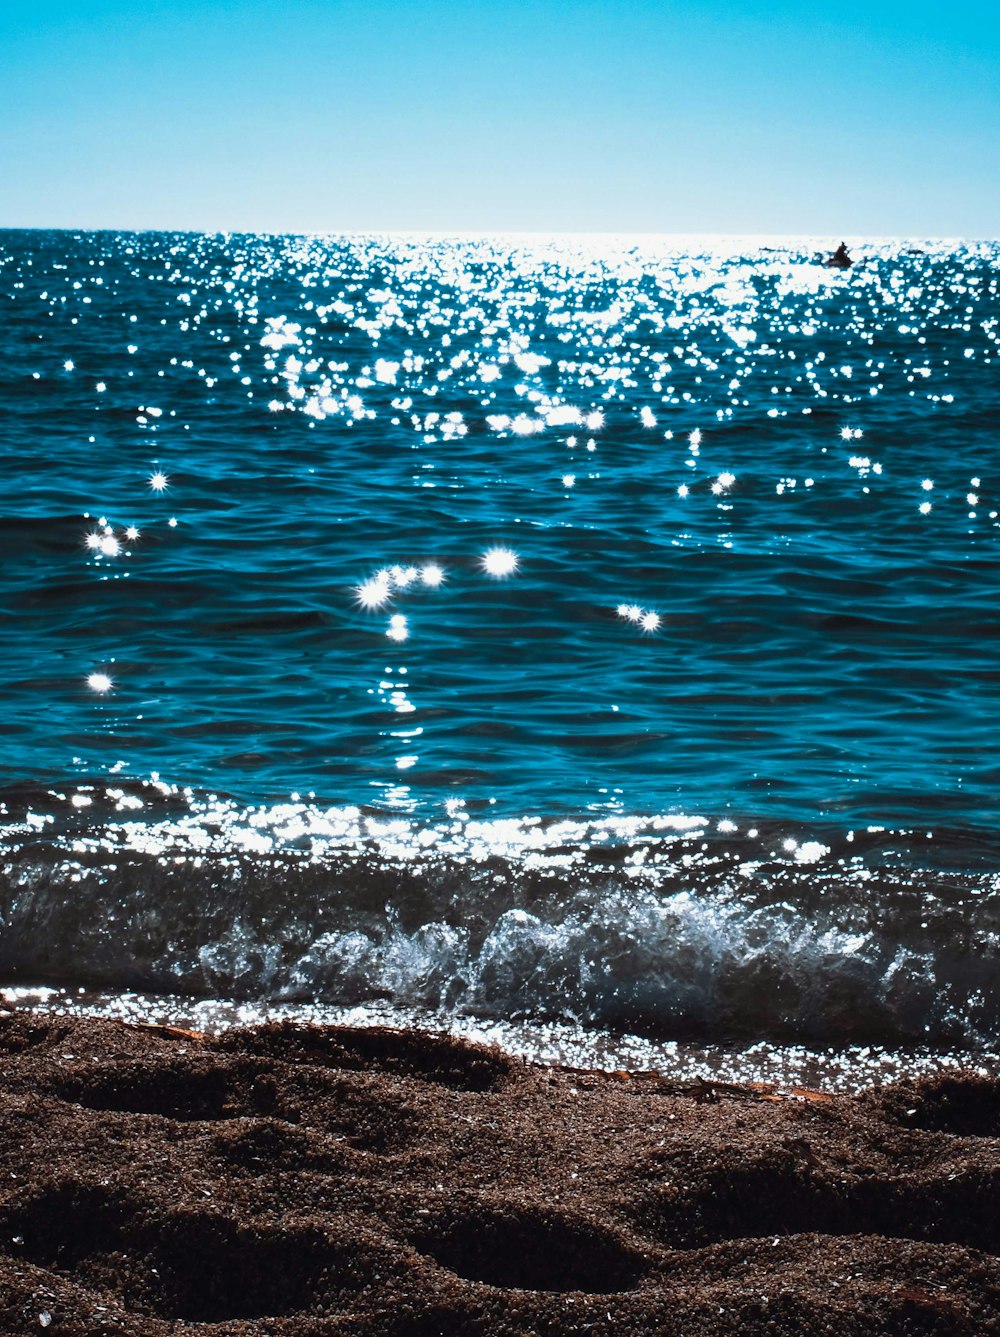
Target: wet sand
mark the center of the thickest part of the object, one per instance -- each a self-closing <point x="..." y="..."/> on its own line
<point x="311" y="1181"/>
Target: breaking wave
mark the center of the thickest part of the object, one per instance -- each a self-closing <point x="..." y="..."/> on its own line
<point x="670" y="926"/>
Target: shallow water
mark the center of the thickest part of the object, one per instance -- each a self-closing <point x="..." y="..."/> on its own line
<point x="582" y="631"/>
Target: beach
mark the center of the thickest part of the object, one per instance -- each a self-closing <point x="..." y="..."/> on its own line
<point x="498" y="566"/>
<point x="304" y="1180"/>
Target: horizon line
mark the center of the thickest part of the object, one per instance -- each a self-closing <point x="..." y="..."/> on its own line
<point x="824" y="237"/>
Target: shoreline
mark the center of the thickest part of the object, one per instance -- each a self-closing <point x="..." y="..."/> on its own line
<point x="844" y="1068"/>
<point x="287" y="1179"/>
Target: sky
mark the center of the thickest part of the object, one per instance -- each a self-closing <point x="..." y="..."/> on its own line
<point x="876" y="118"/>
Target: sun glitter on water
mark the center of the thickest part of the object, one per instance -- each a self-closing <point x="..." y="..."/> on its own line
<point x="500" y="562"/>
<point x="374" y="593"/>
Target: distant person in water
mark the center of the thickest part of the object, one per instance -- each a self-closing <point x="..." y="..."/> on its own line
<point x="840" y="259"/>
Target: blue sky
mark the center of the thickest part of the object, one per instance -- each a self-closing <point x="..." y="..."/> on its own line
<point x="857" y="119"/>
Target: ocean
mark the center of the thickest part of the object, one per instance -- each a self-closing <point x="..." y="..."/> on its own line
<point x="586" y="643"/>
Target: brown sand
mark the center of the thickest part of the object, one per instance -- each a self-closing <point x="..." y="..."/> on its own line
<point x="305" y="1181"/>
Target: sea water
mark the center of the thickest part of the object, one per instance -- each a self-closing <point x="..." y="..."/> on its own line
<point x="587" y="642"/>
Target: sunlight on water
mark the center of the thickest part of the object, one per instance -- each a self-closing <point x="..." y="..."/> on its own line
<point x="661" y="526"/>
<point x="674" y="923"/>
<point x="846" y="1068"/>
<point x="500" y="562"/>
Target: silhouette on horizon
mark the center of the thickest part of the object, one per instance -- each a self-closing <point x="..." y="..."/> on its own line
<point x="839" y="259"/>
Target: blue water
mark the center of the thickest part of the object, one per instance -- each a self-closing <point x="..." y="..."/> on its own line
<point x="584" y="628"/>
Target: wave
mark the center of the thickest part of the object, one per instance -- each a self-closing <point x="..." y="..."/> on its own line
<point x="669" y="925"/>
